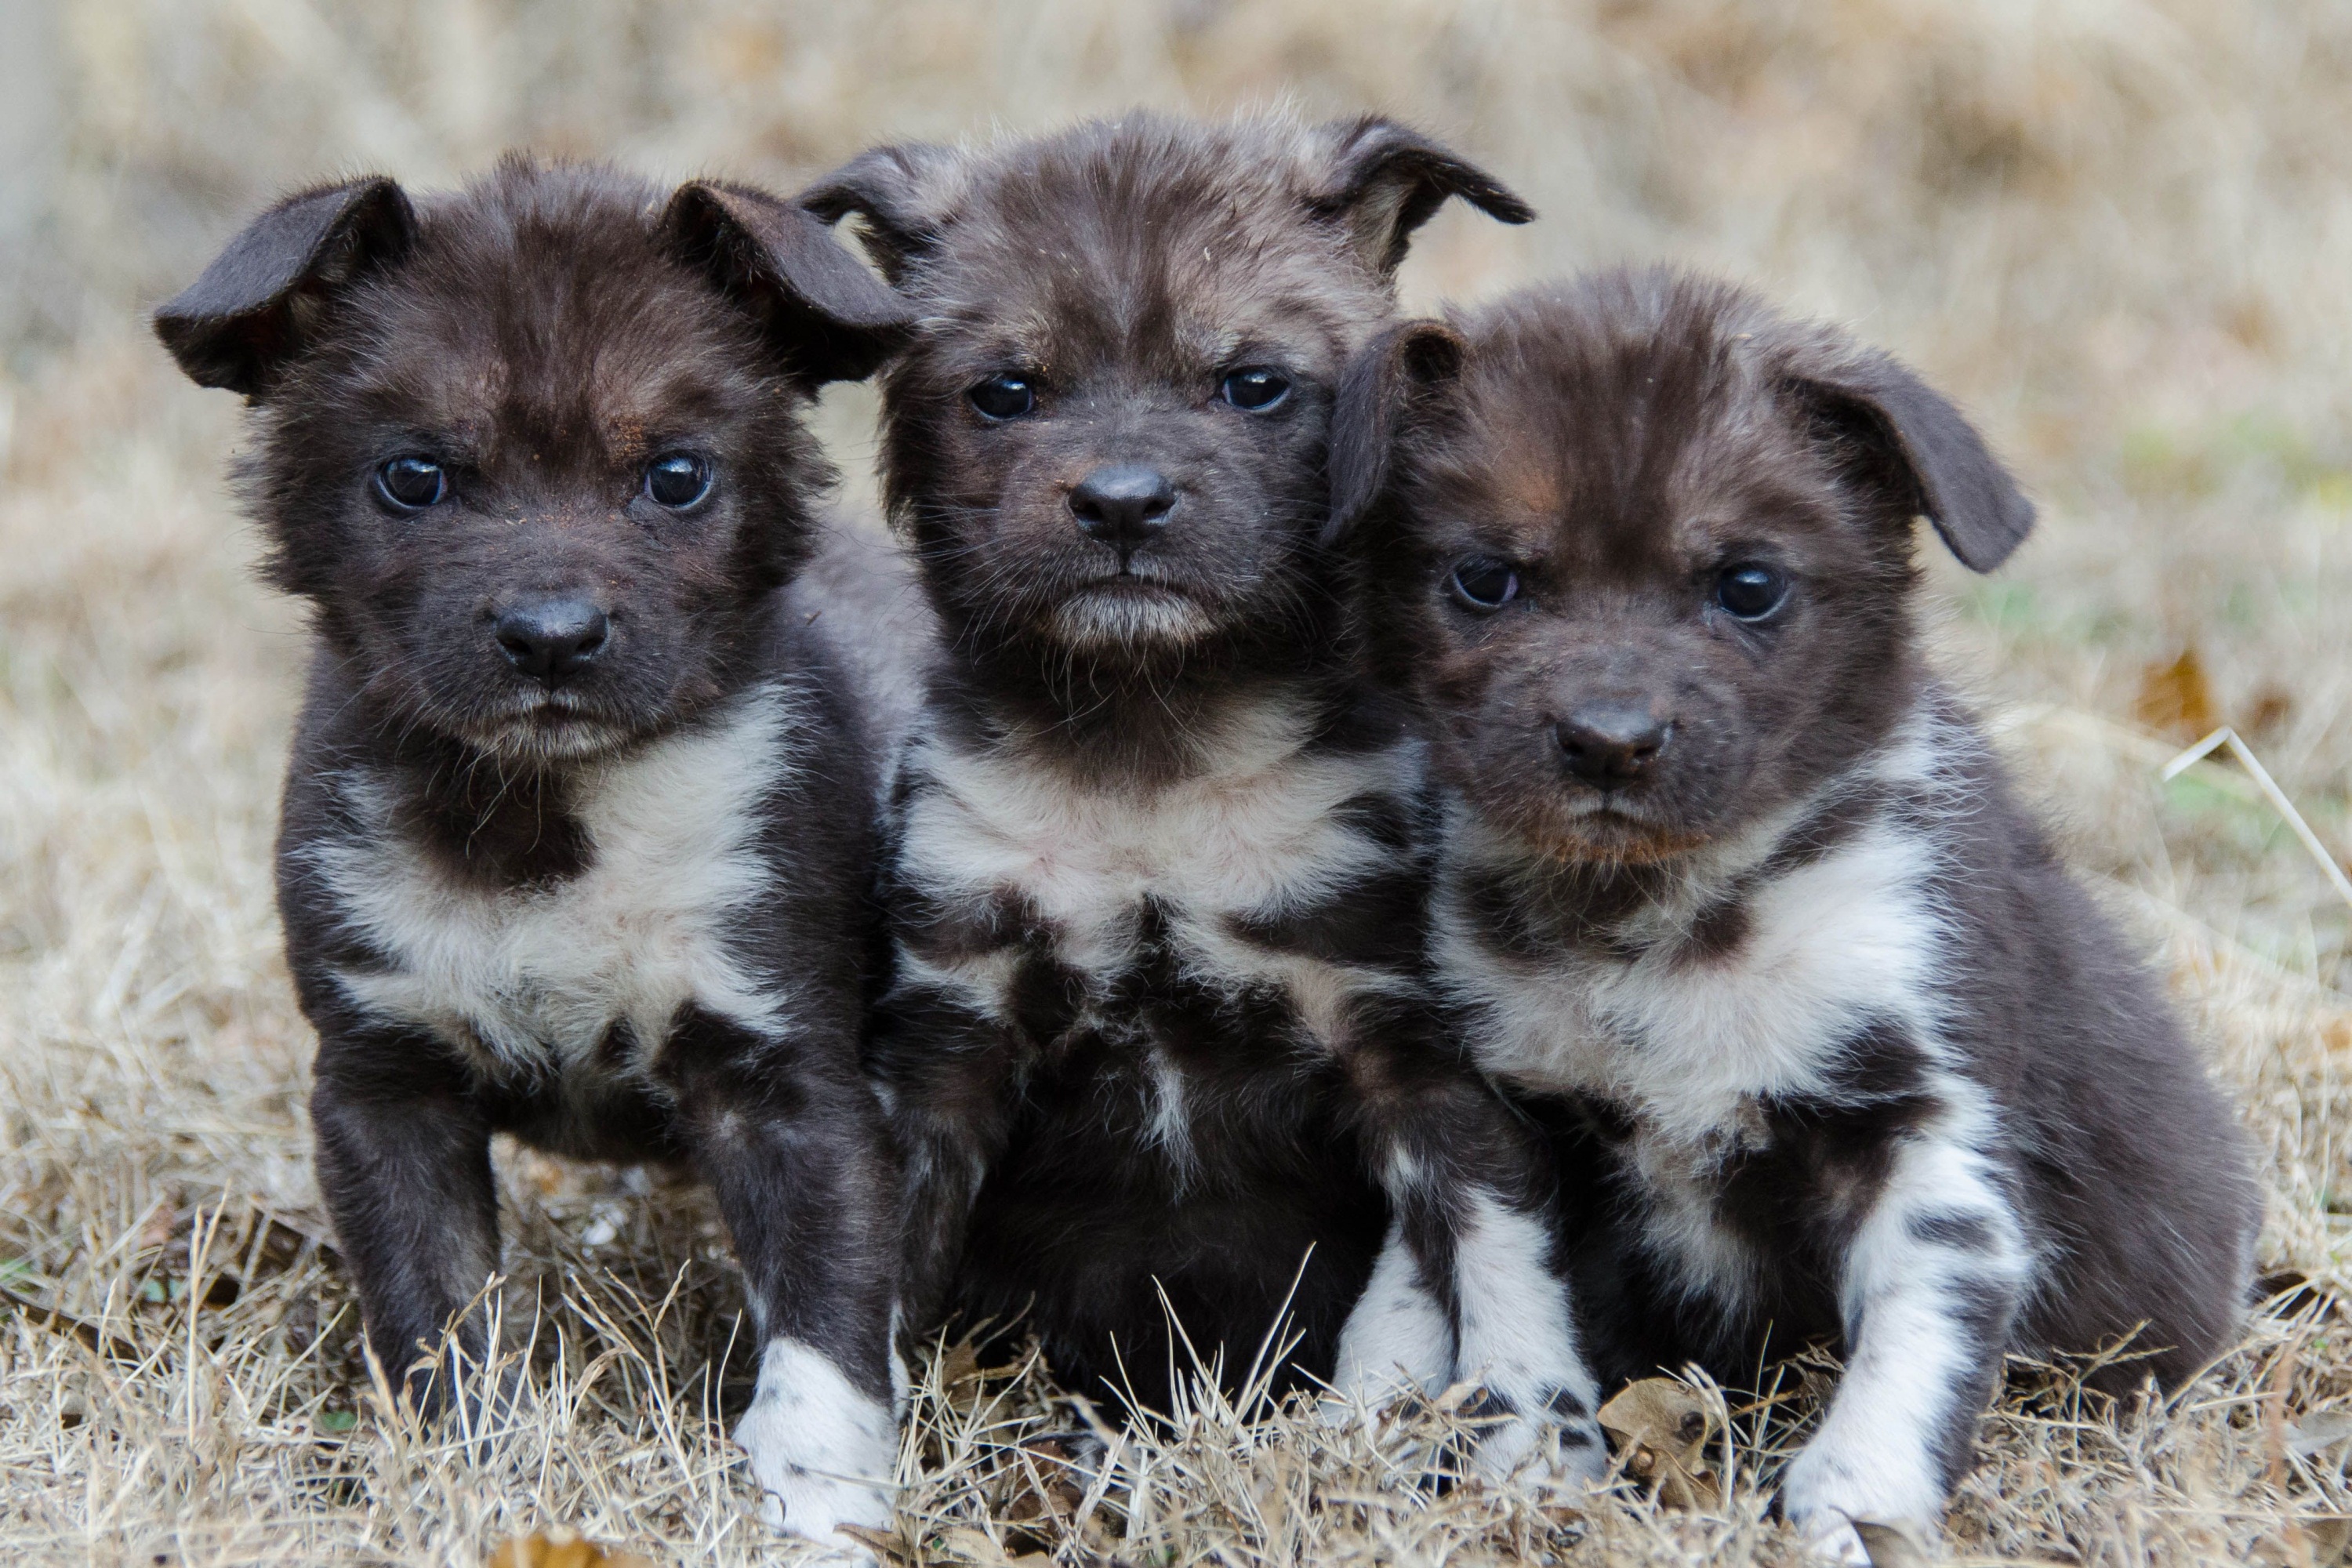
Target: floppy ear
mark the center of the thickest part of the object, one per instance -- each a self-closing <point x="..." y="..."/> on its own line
<point x="258" y="304"/>
<point x="890" y="188"/>
<point x="1927" y="452"/>
<point x="832" y="319"/>
<point x="1375" y="407"/>
<point x="1384" y="180"/>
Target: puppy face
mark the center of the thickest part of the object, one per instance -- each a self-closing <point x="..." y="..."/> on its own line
<point x="1647" y="553"/>
<point x="1107" y="438"/>
<point x="532" y="450"/>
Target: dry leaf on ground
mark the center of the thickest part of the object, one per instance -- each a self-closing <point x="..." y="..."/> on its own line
<point x="1662" y="1428"/>
<point x="561" y="1548"/>
<point x="2177" y="699"/>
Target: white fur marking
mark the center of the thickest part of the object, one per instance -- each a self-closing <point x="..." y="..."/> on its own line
<point x="824" y="1454"/>
<point x="1396" y="1339"/>
<point x="632" y="938"/>
<point x="1829" y="946"/>
<point x="1516" y="1336"/>
<point x="1253" y="834"/>
<point x="1873" y="1457"/>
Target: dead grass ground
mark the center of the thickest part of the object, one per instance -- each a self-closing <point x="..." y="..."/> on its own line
<point x="2120" y="228"/>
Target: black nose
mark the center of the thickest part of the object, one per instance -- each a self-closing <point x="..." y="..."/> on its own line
<point x="1611" y="743"/>
<point x="1124" y="504"/>
<point x="551" y="640"/>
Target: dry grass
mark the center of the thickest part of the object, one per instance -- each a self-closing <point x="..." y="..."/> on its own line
<point x="2119" y="227"/>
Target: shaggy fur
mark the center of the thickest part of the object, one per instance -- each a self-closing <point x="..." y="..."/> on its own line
<point x="1157" y="1044"/>
<point x="577" y="825"/>
<point x="1736" y="894"/>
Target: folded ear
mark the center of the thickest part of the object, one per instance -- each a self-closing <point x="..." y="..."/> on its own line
<point x="258" y="304"/>
<point x="894" y="190"/>
<point x="1920" y="446"/>
<point x="830" y="318"/>
<point x="1384" y="180"/>
<point x="1383" y="393"/>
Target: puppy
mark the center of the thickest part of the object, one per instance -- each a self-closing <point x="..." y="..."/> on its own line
<point x="1730" y="877"/>
<point x="577" y="838"/>
<point x="1156" y="1047"/>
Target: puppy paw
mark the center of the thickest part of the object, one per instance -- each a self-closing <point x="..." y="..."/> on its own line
<point x="1825" y="1492"/>
<point x="1558" y="1445"/>
<point x="816" y="1506"/>
<point x="1396" y="1342"/>
<point x="823" y="1451"/>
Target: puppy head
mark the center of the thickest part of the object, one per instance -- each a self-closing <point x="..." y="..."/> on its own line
<point x="1107" y="438"/>
<point x="1645" y="548"/>
<point x="533" y="449"/>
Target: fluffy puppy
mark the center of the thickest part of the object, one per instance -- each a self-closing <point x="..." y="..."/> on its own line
<point x="1156" y="1046"/>
<point x="576" y="840"/>
<point x="1727" y="875"/>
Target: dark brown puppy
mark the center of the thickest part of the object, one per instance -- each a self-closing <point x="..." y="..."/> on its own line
<point x="1846" y="1050"/>
<point x="576" y="840"/>
<point x="1157" y="1040"/>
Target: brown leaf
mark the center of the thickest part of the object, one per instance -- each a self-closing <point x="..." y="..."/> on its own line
<point x="885" y="1545"/>
<point x="560" y="1547"/>
<point x="962" y="1544"/>
<point x="1890" y="1546"/>
<point x="1662" y="1426"/>
<point x="1047" y="1485"/>
<point x="2175" y="698"/>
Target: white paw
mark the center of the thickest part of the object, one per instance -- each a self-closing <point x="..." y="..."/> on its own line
<point x="1396" y="1340"/>
<point x="822" y="1452"/>
<point x="1839" y="1543"/>
<point x="815" y="1507"/>
<point x="1823" y="1492"/>
<point x="1544" y="1448"/>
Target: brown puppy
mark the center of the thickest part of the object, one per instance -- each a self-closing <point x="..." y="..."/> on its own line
<point x="1158" y="1040"/>
<point x="1732" y="879"/>
<point x="577" y="837"/>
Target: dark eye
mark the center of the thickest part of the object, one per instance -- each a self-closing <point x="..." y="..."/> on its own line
<point x="1750" y="592"/>
<point x="411" y="484"/>
<point x="1484" y="583"/>
<point x="1256" y="389"/>
<point x="1004" y="397"/>
<point x="677" y="479"/>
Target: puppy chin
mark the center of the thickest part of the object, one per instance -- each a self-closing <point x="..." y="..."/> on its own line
<point x="543" y="729"/>
<point x="1106" y="619"/>
<point x="1586" y="827"/>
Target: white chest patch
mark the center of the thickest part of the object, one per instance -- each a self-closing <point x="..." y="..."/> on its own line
<point x="1254" y="837"/>
<point x="540" y="975"/>
<point x="1687" y="1043"/>
<point x="1690" y="1042"/>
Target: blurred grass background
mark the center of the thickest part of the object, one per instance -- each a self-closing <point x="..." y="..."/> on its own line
<point x="2120" y="230"/>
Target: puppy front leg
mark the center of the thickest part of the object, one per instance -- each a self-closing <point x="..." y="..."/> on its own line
<point x="946" y="1074"/>
<point x="1931" y="1282"/>
<point x="790" y="1140"/>
<point x="1397" y="1338"/>
<point x="402" y="1156"/>
<point x="1517" y="1338"/>
<point x="1467" y="1289"/>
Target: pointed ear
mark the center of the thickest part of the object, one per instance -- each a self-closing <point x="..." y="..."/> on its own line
<point x="894" y="189"/>
<point x="1384" y="180"/>
<point x="830" y="318"/>
<point x="1383" y="393"/>
<point x="258" y="304"/>
<point x="1916" y="444"/>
